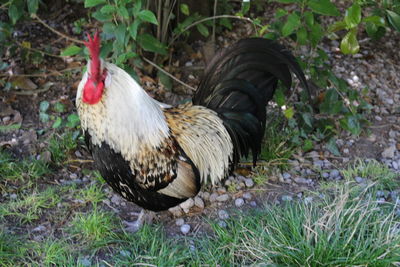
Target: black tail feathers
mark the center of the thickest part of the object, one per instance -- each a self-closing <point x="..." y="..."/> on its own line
<point x="239" y="82"/>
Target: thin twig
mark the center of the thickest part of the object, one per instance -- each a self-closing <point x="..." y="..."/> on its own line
<point x="53" y="73"/>
<point x="168" y="74"/>
<point x="215" y="14"/>
<point x="5" y="4"/>
<point x="57" y="32"/>
<point x="37" y="50"/>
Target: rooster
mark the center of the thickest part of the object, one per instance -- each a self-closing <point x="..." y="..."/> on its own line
<point x="157" y="155"/>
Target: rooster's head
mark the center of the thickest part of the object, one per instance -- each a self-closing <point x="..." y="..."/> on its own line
<point x="94" y="86"/>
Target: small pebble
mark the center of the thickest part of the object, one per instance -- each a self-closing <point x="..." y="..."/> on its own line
<point x="222" y="198"/>
<point x="223" y="215"/>
<point x="73" y="176"/>
<point x="187" y="204"/>
<point x="286" y="175"/>
<point x="346" y="151"/>
<point x="247" y="196"/>
<point x="325" y="175"/>
<point x="308" y="200"/>
<point x="176" y="211"/>
<point x="239" y="202"/>
<point x="222" y="224"/>
<point x="85" y="262"/>
<point x="300" y="180"/>
<point x="359" y="179"/>
<point x="213" y="197"/>
<point x="249" y="182"/>
<point x="395" y="165"/>
<point x="206" y="196"/>
<point x="334" y="173"/>
<point x="125" y="253"/>
<point x="198" y="202"/>
<point x="253" y="204"/>
<point x="381" y="200"/>
<point x="13" y="196"/>
<point x="40" y="228"/>
<point x="185" y="228"/>
<point x="180" y="222"/>
<point x="287" y="198"/>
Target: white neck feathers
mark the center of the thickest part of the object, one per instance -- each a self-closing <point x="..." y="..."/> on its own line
<point x="126" y="117"/>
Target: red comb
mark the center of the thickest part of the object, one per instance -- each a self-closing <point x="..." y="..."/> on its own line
<point x="94" y="50"/>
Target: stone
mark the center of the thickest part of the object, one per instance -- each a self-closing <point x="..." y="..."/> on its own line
<point x="287" y="198"/>
<point x="125" y="253"/>
<point x="308" y="200"/>
<point x="73" y="176"/>
<point x="176" y="211"/>
<point x="249" y="182"/>
<point x="185" y="229"/>
<point x="286" y="175"/>
<point x="389" y="152"/>
<point x="198" y="202"/>
<point x="325" y="175"/>
<point x="334" y="173"/>
<point x="222" y="224"/>
<point x="222" y="198"/>
<point x="213" y="197"/>
<point x="300" y="180"/>
<point x="359" y="179"/>
<point x="223" y="214"/>
<point x="247" y="196"/>
<point x="180" y="222"/>
<point x="253" y="204"/>
<point x="206" y="196"/>
<point x="187" y="204"/>
<point x="239" y="202"/>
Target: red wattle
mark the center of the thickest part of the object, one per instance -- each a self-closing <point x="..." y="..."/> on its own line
<point x="92" y="92"/>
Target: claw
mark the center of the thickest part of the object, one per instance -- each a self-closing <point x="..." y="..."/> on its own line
<point x="143" y="217"/>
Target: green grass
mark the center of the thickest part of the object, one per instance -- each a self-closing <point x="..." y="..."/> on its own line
<point x="374" y="171"/>
<point x="348" y="227"/>
<point x="60" y="145"/>
<point x="29" y="207"/>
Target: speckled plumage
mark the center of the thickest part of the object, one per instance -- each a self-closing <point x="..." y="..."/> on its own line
<point x="157" y="155"/>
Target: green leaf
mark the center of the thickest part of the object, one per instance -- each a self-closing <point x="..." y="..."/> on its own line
<point x="332" y="147"/>
<point x="124" y="57"/>
<point x="72" y="120"/>
<point x="11" y="127"/>
<point x="280" y="13"/>
<point x="59" y="107"/>
<point x="373" y="31"/>
<point x="92" y="3"/>
<point x="185" y="9"/>
<point x="202" y="29"/>
<point x="309" y="18"/>
<point x="337" y="26"/>
<point x="292" y="23"/>
<point x="33" y="6"/>
<point x="151" y="44"/>
<point x="289" y="113"/>
<point x="377" y="20"/>
<point x="279" y="97"/>
<point x="102" y="16"/>
<point x="352" y="124"/>
<point x="44" y="106"/>
<point x="352" y="16"/>
<point x="71" y="50"/>
<point x="147" y="15"/>
<point x="133" y="28"/>
<point x="323" y="7"/>
<point x="302" y="36"/>
<point x="307" y="118"/>
<point x="165" y="80"/>
<point x="287" y="1"/>
<point x="120" y="33"/>
<point x="14" y="13"/>
<point x="394" y="19"/>
<point x="308" y="145"/>
<point x="44" y="117"/>
<point x="123" y="12"/>
<point x="107" y="9"/>
<point x="349" y="44"/>
<point x="226" y="23"/>
<point x="57" y="123"/>
<point x="316" y="34"/>
<point x="109" y="28"/>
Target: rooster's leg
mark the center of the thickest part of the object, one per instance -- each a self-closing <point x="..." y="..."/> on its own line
<point x="145" y="216"/>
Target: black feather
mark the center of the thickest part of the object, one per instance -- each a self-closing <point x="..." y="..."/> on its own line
<point x="239" y="82"/>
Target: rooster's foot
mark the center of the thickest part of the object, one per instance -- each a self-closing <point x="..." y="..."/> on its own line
<point x="144" y="217"/>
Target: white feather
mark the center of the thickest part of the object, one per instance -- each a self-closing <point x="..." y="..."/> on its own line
<point x="126" y="117"/>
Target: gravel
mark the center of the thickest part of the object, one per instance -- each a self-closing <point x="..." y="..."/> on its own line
<point x="198" y="202"/>
<point x="223" y="214"/>
<point x="180" y="222"/>
<point x="239" y="202"/>
<point x="185" y="229"/>
<point x="223" y="198"/>
<point x="359" y="179"/>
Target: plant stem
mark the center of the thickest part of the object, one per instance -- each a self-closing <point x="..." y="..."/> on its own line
<point x="168" y="74"/>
